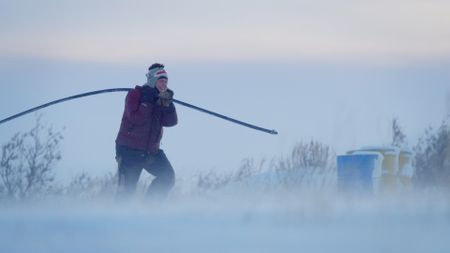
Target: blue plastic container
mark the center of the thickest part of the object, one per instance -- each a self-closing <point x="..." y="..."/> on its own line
<point x="356" y="172"/>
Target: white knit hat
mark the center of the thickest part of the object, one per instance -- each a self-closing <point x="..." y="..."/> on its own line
<point x="155" y="72"/>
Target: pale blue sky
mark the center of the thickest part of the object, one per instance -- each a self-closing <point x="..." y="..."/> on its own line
<point x="334" y="71"/>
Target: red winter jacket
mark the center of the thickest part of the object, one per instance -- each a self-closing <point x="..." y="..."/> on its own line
<point x="142" y="123"/>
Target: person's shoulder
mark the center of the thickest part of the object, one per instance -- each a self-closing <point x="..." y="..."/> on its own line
<point x="135" y="92"/>
<point x="136" y="89"/>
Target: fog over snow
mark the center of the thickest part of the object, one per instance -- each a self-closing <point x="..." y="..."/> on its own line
<point x="314" y="222"/>
<point x="335" y="72"/>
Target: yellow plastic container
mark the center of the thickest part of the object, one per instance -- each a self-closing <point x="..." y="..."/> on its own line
<point x="406" y="170"/>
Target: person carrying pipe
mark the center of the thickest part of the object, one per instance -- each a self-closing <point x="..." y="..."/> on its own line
<point x="148" y="109"/>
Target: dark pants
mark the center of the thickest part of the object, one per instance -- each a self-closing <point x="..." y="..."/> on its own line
<point x="132" y="161"/>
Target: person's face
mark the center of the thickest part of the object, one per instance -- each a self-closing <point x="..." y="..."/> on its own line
<point x="161" y="84"/>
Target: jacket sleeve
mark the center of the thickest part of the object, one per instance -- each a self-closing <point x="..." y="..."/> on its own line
<point x="135" y="111"/>
<point x="169" y="116"/>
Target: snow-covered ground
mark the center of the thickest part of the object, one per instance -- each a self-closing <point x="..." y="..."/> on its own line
<point x="231" y="222"/>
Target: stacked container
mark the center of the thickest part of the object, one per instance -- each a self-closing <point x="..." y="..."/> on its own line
<point x="389" y="169"/>
<point x="406" y="170"/>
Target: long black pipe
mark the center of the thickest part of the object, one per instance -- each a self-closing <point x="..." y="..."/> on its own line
<point x="128" y="89"/>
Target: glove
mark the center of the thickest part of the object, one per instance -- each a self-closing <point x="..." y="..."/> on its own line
<point x="165" y="97"/>
<point x="149" y="95"/>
